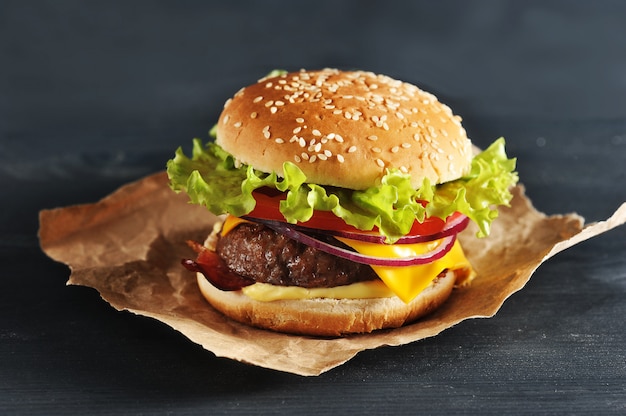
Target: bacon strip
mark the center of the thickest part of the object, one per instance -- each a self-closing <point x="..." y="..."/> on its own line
<point x="214" y="269"/>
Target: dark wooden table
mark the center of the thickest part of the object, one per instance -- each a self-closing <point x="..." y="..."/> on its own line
<point x="95" y="95"/>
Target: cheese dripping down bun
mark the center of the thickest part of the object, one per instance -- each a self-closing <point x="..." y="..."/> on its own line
<point x="344" y="128"/>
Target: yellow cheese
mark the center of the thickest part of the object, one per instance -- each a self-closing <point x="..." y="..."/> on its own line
<point x="229" y="223"/>
<point x="405" y="282"/>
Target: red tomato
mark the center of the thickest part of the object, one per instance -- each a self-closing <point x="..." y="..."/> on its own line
<point x="267" y="207"/>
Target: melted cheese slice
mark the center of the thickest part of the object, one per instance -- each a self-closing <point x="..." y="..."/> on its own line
<point x="405" y="282"/>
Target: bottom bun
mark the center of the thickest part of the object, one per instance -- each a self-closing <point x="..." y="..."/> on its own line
<point x="327" y="317"/>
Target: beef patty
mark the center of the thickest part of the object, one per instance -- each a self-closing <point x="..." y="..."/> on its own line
<point x="257" y="252"/>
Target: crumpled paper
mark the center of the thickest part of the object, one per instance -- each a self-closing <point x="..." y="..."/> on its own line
<point x="128" y="246"/>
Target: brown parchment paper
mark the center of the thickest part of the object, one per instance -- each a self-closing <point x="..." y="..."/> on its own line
<point x="129" y="245"/>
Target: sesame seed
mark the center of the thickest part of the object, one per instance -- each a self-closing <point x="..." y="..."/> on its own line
<point x="340" y="158"/>
<point x="316" y="132"/>
<point x="318" y="147"/>
<point x="257" y="99"/>
<point x="297" y="159"/>
<point x="237" y="124"/>
<point x="328" y="153"/>
<point x="253" y="114"/>
<point x="372" y="138"/>
<point x="337" y="112"/>
<point x="322" y="156"/>
<point x="297" y="130"/>
<point x="228" y="102"/>
<point x="300" y="120"/>
<point x="279" y="103"/>
<point x="266" y="134"/>
<point x="305" y="156"/>
<point x="395" y="149"/>
<point x="406" y="145"/>
<point x="347" y="115"/>
<point x="403" y="169"/>
<point x="352" y="149"/>
<point x="279" y="140"/>
<point x="380" y="163"/>
<point x="338" y="138"/>
<point x="330" y="136"/>
<point x="273" y="110"/>
<point x="302" y="142"/>
<point x="226" y="118"/>
<point x="312" y="159"/>
<point x="376" y="149"/>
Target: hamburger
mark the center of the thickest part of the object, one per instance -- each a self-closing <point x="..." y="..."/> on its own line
<point x="339" y="195"/>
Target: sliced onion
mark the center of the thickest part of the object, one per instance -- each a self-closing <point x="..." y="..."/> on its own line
<point x="301" y="237"/>
<point x="455" y="226"/>
<point x="451" y="227"/>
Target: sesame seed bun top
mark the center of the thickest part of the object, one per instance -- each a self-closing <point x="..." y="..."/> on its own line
<point x="344" y="128"/>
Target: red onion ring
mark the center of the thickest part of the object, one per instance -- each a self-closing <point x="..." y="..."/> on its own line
<point x="291" y="232"/>
<point x="454" y="226"/>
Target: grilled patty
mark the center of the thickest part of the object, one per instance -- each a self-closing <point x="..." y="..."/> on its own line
<point x="257" y="252"/>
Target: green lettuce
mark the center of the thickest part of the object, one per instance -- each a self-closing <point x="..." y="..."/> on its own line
<point x="213" y="178"/>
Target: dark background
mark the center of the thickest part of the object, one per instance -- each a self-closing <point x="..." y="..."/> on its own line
<point x="97" y="94"/>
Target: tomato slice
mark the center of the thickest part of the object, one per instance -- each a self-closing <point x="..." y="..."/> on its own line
<point x="267" y="207"/>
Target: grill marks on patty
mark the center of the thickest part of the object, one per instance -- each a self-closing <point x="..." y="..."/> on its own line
<point x="257" y="252"/>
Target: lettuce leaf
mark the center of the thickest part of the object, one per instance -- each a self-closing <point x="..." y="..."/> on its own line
<point x="213" y="178"/>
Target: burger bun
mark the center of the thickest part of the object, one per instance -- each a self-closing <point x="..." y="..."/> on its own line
<point x="327" y="317"/>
